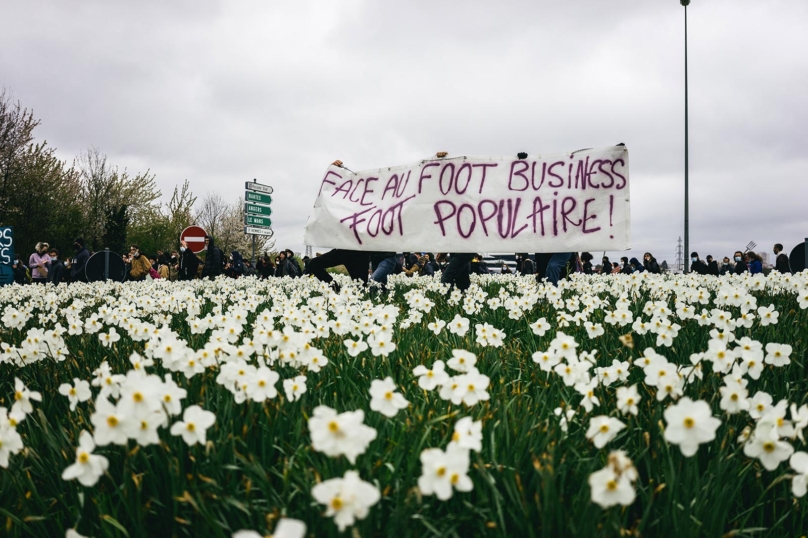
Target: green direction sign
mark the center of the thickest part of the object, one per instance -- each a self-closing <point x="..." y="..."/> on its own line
<point x="257" y="198"/>
<point x="249" y="220"/>
<point x="259" y="210"/>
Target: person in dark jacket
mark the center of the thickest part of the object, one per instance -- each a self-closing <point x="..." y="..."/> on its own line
<point x="56" y="272"/>
<point x="441" y="261"/>
<point x="754" y="262"/>
<point x="781" y="263"/>
<point x="712" y="266"/>
<point x="586" y="263"/>
<point x="636" y="265"/>
<point x="696" y="265"/>
<point x="726" y="267"/>
<point x="249" y="270"/>
<point x="79" y="262"/>
<point x="625" y="267"/>
<point x="290" y="255"/>
<point x="235" y="268"/>
<point x="213" y="259"/>
<point x="282" y="266"/>
<point x="189" y="263"/>
<point x="740" y="264"/>
<point x="478" y="265"/>
<point x="267" y="268"/>
<point x="20" y="271"/>
<point x="650" y="264"/>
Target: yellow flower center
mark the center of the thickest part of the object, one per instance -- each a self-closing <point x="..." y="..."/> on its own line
<point x="190" y="426"/>
<point x="689" y="422"/>
<point x="611" y="485"/>
<point x="441" y="471"/>
<point x="336" y="503"/>
<point x="112" y="421"/>
<point x="333" y="427"/>
<point x="84" y="457"/>
<point x="768" y="446"/>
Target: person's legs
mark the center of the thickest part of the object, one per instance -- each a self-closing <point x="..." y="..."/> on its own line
<point x="556" y="265"/>
<point x="356" y="262"/>
<point x="542" y="260"/>
<point x="457" y="272"/>
<point x="318" y="265"/>
<point x="383" y="269"/>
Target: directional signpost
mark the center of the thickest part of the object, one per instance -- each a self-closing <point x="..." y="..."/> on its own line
<point x="249" y="220"/>
<point x="255" y="209"/>
<point x="257" y="198"/>
<point x="258" y="231"/>
<point x="257" y="201"/>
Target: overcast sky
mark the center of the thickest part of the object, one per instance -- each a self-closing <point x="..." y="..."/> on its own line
<point x="223" y="92"/>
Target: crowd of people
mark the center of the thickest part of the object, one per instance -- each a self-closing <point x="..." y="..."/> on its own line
<point x="45" y="264"/>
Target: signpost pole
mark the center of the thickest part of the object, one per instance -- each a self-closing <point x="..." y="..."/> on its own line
<point x="257" y="200"/>
<point x="106" y="264"/>
<point x="253" y="256"/>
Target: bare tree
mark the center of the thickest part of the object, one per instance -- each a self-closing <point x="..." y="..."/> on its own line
<point x="180" y="210"/>
<point x="105" y="190"/>
<point x="226" y="224"/>
<point x="211" y="213"/>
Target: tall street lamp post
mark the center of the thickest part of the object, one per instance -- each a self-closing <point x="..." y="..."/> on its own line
<point x="685" y="3"/>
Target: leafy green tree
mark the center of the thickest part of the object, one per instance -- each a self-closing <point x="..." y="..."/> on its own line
<point x="38" y="192"/>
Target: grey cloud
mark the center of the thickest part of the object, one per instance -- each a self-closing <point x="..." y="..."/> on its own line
<point x="223" y="92"/>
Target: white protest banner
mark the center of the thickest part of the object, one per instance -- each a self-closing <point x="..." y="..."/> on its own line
<point x="548" y="203"/>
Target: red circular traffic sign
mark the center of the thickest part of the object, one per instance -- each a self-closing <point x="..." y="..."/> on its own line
<point x="194" y="236"/>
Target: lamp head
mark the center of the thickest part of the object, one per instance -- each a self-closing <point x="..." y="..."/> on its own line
<point x="685" y="2"/>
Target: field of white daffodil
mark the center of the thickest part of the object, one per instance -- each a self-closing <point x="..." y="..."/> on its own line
<point x="617" y="405"/>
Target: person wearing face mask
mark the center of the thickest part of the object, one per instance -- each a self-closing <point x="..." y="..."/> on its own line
<point x="20" y="271"/>
<point x="57" y="268"/>
<point x="740" y="264"/>
<point x="781" y="260"/>
<point x="38" y="262"/>
<point x="189" y="263"/>
<point x="650" y="264"/>
<point x="140" y="265"/>
<point x="79" y="262"/>
<point x="726" y="267"/>
<point x="698" y="266"/>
